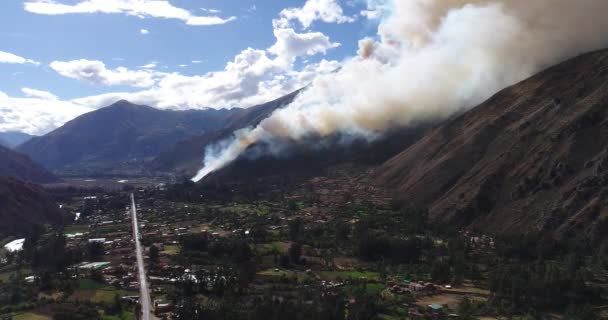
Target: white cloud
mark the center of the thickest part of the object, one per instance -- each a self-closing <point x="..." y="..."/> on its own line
<point x="328" y="11"/>
<point x="139" y="8"/>
<point x="208" y="21"/>
<point x="37" y="114"/>
<point x="39" y="94"/>
<point x="95" y="72"/>
<point x="150" y="65"/>
<point x="371" y="14"/>
<point x="254" y="76"/>
<point x="211" y="10"/>
<point x="290" y="45"/>
<point x="144" y="31"/>
<point x="7" y="57"/>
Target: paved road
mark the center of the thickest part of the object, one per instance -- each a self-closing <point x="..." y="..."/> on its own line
<point x="144" y="291"/>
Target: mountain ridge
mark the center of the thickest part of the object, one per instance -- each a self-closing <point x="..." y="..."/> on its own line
<point x="20" y="166"/>
<point x="25" y="206"/>
<point x="118" y="133"/>
<point x="529" y="158"/>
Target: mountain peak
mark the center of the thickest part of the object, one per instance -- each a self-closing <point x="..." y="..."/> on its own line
<point x="123" y="104"/>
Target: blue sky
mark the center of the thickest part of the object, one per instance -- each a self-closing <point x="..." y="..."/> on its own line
<point x="61" y="58"/>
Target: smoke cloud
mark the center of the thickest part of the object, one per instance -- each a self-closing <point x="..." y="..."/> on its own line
<point x="431" y="59"/>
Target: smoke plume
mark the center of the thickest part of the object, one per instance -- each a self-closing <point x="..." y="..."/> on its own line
<point x="431" y="59"/>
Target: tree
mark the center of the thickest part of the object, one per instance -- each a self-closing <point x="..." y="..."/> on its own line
<point x="137" y="311"/>
<point x="295" y="252"/>
<point x="440" y="271"/>
<point x="95" y="250"/>
<point x="466" y="309"/>
<point x="96" y="275"/>
<point x="116" y="306"/>
<point x="296" y="229"/>
<point x="284" y="261"/>
<point x="153" y="254"/>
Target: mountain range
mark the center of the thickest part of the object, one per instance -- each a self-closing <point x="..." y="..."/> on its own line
<point x="119" y="133"/>
<point x="530" y="157"/>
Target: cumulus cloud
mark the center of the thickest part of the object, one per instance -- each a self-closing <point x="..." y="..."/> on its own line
<point x="371" y="14"/>
<point x="252" y="77"/>
<point x="150" y="65"/>
<point x="290" y="45"/>
<point x="39" y="94"/>
<point x="138" y="8"/>
<point x="144" y="31"/>
<point x="36" y="114"/>
<point x="328" y="11"/>
<point x="211" y="10"/>
<point x="7" y="57"/>
<point x="95" y="72"/>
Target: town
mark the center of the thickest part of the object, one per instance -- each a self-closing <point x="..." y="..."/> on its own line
<point x="329" y="248"/>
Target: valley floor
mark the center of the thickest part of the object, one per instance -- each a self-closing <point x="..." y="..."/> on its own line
<point x="333" y="247"/>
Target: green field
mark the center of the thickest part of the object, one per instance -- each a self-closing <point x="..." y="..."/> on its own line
<point x="285" y="273"/>
<point x="172" y="249"/>
<point x="101" y="295"/>
<point x="79" y="228"/>
<point x="30" y="316"/>
<point x="333" y="275"/>
<point x="88" y="284"/>
<point x="126" y="315"/>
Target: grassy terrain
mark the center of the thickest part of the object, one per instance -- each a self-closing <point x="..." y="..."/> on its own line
<point x="278" y="246"/>
<point x="100" y="295"/>
<point x="333" y="275"/>
<point x="172" y="249"/>
<point x="5" y="276"/>
<point x="301" y="276"/>
<point x="88" y="284"/>
<point x="30" y="316"/>
<point x="126" y="315"/>
<point x="78" y="228"/>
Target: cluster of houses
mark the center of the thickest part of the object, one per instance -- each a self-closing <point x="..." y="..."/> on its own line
<point x="413" y="288"/>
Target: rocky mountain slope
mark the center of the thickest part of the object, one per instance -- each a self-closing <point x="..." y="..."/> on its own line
<point x="23" y="206"/>
<point x="118" y="133"/>
<point x="534" y="156"/>
<point x="19" y="166"/>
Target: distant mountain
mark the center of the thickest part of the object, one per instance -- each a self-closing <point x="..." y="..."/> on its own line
<point x="119" y="133"/>
<point x="11" y="139"/>
<point x="19" y="166"/>
<point x="186" y="156"/>
<point x="23" y="206"/>
<point x="5" y="143"/>
<point x="533" y="157"/>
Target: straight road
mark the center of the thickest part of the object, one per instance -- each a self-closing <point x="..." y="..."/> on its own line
<point x="144" y="291"/>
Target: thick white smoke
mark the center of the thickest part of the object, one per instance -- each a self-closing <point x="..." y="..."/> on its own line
<point x="432" y="58"/>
